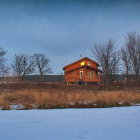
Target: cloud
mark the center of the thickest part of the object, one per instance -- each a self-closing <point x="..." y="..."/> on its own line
<point x="64" y="29"/>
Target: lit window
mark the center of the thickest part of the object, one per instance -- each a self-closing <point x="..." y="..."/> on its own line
<point x="82" y="63"/>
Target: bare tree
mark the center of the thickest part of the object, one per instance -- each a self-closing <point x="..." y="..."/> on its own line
<point x="4" y="71"/>
<point x="126" y="62"/>
<point x="2" y="54"/>
<point x="108" y="59"/>
<point x="114" y="65"/>
<point x="2" y="62"/>
<point x="131" y="54"/>
<point x="42" y="64"/>
<point x="23" y="65"/>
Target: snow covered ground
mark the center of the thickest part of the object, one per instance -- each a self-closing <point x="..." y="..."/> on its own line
<point x="121" y="123"/>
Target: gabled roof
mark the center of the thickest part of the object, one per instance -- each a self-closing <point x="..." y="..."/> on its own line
<point x="79" y="61"/>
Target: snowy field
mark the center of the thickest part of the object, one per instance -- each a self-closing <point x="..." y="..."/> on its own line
<point x="71" y="124"/>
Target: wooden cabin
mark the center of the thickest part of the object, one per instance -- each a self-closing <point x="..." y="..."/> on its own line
<point x="83" y="71"/>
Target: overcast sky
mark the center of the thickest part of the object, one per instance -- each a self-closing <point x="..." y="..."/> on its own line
<point x="65" y="29"/>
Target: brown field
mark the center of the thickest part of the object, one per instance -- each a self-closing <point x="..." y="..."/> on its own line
<point x="55" y="96"/>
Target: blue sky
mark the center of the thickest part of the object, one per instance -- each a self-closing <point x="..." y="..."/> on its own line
<point x="64" y="29"/>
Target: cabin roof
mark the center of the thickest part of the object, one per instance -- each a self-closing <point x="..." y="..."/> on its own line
<point x="85" y="58"/>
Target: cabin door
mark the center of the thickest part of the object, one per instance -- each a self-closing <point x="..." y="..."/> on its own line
<point x="81" y="74"/>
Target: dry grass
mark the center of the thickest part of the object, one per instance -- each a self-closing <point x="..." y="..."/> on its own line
<point x="49" y="98"/>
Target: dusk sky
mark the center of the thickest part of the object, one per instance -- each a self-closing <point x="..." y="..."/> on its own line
<point x="64" y="30"/>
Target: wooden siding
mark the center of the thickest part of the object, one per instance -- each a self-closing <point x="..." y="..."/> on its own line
<point x="84" y="70"/>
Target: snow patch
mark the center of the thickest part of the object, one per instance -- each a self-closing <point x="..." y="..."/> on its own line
<point x="118" y="123"/>
<point x="16" y="106"/>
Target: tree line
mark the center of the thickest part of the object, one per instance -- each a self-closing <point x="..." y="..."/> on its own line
<point x="112" y="61"/>
<point x="125" y="61"/>
<point x="24" y="65"/>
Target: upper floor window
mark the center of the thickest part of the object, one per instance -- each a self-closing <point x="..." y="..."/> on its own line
<point x="89" y="63"/>
<point x="82" y="63"/>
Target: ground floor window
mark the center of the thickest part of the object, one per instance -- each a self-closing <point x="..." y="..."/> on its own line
<point x="91" y="75"/>
<point x="81" y="74"/>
